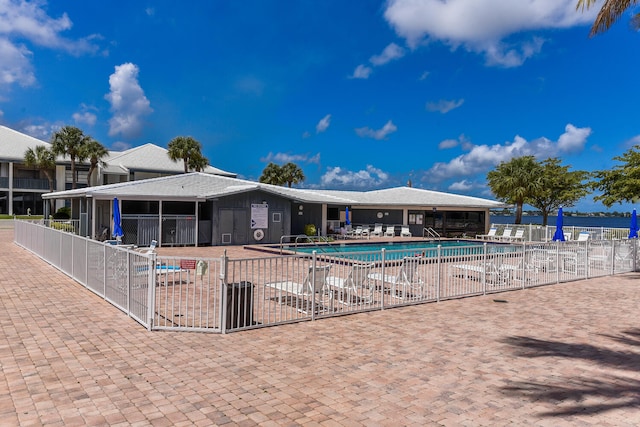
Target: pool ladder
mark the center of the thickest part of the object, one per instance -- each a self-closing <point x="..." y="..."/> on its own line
<point x="428" y="231"/>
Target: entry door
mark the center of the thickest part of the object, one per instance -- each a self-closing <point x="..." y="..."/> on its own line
<point x="233" y="226"/>
<point x="276" y="226"/>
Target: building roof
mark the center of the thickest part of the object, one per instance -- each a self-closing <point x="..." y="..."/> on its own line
<point x="151" y="158"/>
<point x="14" y="144"/>
<point x="202" y="186"/>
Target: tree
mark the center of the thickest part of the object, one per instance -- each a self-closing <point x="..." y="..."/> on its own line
<point x="198" y="162"/>
<point x="622" y="183"/>
<point x="184" y="148"/>
<point x="272" y="174"/>
<point x="43" y="159"/>
<point x="610" y="12"/>
<point x="69" y="141"/>
<point x="556" y="187"/>
<point x="94" y="152"/>
<point x="515" y="181"/>
<point x="292" y="174"/>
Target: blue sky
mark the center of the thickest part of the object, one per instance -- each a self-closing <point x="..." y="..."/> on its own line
<point x="361" y="94"/>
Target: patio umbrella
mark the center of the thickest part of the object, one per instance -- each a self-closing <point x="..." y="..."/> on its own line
<point x="633" y="228"/>
<point x="117" y="226"/>
<point x="559" y="234"/>
<point x="346" y="214"/>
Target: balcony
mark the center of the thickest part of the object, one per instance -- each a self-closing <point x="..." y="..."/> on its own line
<point x="27" y="183"/>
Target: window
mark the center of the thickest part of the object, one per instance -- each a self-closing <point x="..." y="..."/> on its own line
<point x="277" y="217"/>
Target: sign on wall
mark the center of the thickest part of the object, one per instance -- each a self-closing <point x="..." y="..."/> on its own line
<point x="259" y="215"/>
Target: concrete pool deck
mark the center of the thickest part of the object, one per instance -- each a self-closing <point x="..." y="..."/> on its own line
<point x="560" y="355"/>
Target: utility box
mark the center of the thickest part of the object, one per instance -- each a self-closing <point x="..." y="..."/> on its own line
<point x="239" y="305"/>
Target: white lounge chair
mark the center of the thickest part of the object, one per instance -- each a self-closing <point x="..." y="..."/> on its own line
<point x="315" y="282"/>
<point x="365" y="231"/>
<point x="356" y="287"/>
<point x="404" y="231"/>
<point x="489" y="271"/>
<point x="506" y="234"/>
<point x="583" y="236"/>
<point x="407" y="283"/>
<point x="390" y="231"/>
<point x="491" y="234"/>
<point x="516" y="237"/>
<point x="377" y="230"/>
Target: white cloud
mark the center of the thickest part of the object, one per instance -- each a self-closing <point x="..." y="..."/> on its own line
<point x="390" y="53"/>
<point x="323" y="124"/>
<point x="424" y="75"/>
<point x="482" y="26"/>
<point x="463" y="186"/>
<point x="120" y="146"/>
<point x="85" y="117"/>
<point x="379" y="134"/>
<point x="443" y="106"/>
<point x="282" y="158"/>
<point x="368" y="178"/>
<point x="451" y="143"/>
<point x="482" y="158"/>
<point x="23" y="23"/>
<point x="128" y="103"/>
<point x="361" y="72"/>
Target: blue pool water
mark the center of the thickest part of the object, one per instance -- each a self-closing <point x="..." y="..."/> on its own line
<point x="397" y="250"/>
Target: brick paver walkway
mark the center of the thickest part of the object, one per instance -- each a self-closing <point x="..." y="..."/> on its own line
<point x="557" y="355"/>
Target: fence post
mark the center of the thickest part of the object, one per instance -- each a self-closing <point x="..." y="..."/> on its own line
<point x="313" y="284"/>
<point x="224" y="261"/>
<point x="439" y="276"/>
<point x="484" y="265"/>
<point x="383" y="257"/>
<point x="151" y="294"/>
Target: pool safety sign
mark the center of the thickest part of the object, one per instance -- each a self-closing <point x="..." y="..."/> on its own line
<point x="259" y="215"/>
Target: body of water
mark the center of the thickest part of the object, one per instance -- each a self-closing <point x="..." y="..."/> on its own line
<point x="577" y="221"/>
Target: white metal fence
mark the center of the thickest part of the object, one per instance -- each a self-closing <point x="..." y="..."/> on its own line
<point x="540" y="233"/>
<point x="222" y="294"/>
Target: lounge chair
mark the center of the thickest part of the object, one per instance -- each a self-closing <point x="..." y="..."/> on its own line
<point x="583" y="236"/>
<point x="407" y="284"/>
<point x="365" y="231"/>
<point x="506" y="234"/>
<point x="490" y="235"/>
<point x="315" y="282"/>
<point x="150" y="249"/>
<point x="404" y="231"/>
<point x="489" y="271"/>
<point x="390" y="231"/>
<point x="377" y="230"/>
<point x="356" y="287"/>
<point x="516" y="237"/>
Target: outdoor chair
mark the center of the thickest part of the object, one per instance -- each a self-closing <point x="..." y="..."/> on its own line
<point x="407" y="283"/>
<point x="315" y="282"/>
<point x="491" y="234"/>
<point x="583" y="236"/>
<point x="519" y="236"/>
<point x="356" y="287"/>
<point x="489" y="271"/>
<point x="506" y="234"/>
<point x="390" y="231"/>
<point x="404" y="231"/>
<point x="377" y="230"/>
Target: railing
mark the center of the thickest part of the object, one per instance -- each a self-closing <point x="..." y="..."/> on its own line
<point x="68" y="225"/>
<point x="428" y="231"/>
<point x="223" y="295"/>
<point x="32" y="184"/>
<point x="540" y="233"/>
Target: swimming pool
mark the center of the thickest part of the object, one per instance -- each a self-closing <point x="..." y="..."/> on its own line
<point x="393" y="250"/>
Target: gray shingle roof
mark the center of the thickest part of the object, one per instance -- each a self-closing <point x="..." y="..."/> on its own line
<point x="14" y="144"/>
<point x="202" y="186"/>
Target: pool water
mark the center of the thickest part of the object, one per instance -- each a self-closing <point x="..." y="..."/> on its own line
<point x="394" y="250"/>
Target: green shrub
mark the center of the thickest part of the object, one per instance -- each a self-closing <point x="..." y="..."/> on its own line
<point x="63" y="227"/>
<point x="310" y="230"/>
<point x="62" y="213"/>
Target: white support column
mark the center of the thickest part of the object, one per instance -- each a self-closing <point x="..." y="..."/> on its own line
<point x="93" y="217"/>
<point x="10" y="198"/>
<point x="160" y="223"/>
<point x="197" y="222"/>
<point x="405" y="216"/>
<point x="323" y="226"/>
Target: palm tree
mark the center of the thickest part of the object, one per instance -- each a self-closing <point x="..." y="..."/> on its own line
<point x="184" y="148"/>
<point x="94" y="152"/>
<point x="609" y="13"/>
<point x="514" y="181"/>
<point x="43" y="159"/>
<point x="198" y="162"/>
<point x="292" y="174"/>
<point x="272" y="174"/>
<point x="69" y="141"/>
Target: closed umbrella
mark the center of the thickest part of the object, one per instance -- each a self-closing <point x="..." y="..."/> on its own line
<point x="559" y="234"/>
<point x="117" y="226"/>
<point x="346" y="214"/>
<point x="633" y="228"/>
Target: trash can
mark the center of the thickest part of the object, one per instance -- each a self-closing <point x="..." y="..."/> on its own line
<point x="239" y="305"/>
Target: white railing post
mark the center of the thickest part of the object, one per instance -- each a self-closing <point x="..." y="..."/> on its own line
<point x="314" y="255"/>
<point x="224" y="262"/>
<point x="151" y="294"/>
<point x="383" y="257"/>
<point x="484" y="265"/>
<point x="439" y="276"/>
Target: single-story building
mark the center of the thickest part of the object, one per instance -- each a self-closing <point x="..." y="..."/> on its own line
<point x="204" y="209"/>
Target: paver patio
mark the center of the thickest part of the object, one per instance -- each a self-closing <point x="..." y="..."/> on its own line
<point x="557" y="355"/>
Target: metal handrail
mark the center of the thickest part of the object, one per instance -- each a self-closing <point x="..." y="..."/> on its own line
<point x="431" y="233"/>
<point x="298" y="237"/>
